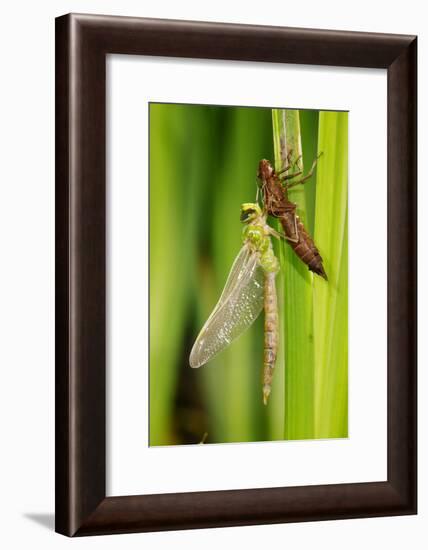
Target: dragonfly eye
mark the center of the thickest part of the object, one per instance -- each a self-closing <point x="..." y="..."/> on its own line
<point x="250" y="211"/>
<point x="247" y="214"/>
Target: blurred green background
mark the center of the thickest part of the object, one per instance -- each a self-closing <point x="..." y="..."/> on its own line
<point x="203" y="164"/>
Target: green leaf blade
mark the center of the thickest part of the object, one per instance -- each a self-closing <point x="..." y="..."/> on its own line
<point x="331" y="300"/>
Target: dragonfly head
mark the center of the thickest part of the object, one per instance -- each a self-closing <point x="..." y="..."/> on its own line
<point x="250" y="211"/>
<point x="265" y="170"/>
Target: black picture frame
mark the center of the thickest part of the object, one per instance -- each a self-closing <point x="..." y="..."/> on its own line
<point x="82" y="43"/>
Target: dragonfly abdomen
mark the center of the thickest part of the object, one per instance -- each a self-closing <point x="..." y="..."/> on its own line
<point x="306" y="249"/>
<point x="270" y="333"/>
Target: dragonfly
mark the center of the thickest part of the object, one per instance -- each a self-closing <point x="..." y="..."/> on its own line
<point x="275" y="187"/>
<point x="250" y="288"/>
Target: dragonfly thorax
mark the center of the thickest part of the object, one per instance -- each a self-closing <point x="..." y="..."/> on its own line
<point x="258" y="238"/>
<point x="255" y="235"/>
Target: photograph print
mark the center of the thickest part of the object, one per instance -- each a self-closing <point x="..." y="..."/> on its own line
<point x="248" y="274"/>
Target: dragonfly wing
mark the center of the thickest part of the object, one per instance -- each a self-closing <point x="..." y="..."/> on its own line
<point x="238" y="307"/>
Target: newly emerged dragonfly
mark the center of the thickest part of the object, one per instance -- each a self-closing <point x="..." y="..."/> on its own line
<point x="249" y="288"/>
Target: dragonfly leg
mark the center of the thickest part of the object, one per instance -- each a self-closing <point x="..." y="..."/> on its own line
<point x="279" y="235"/>
<point x="286" y="169"/>
<point x="291" y="176"/>
<point x="275" y="210"/>
<point x="305" y="178"/>
<point x="289" y="164"/>
<point x="294" y="164"/>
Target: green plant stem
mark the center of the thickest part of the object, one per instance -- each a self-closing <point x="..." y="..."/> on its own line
<point x="295" y="290"/>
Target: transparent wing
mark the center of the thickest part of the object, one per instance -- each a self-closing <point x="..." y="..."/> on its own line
<point x="238" y="307"/>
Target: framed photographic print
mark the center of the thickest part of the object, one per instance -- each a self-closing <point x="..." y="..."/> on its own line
<point x="236" y="274"/>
